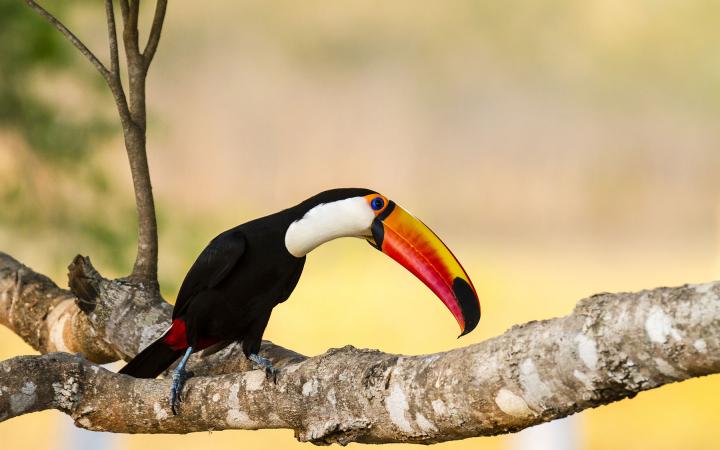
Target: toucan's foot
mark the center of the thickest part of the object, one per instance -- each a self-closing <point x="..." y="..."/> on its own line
<point x="179" y="377"/>
<point x="264" y="363"/>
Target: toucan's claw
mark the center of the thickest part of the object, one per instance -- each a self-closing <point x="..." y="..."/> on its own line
<point x="179" y="377"/>
<point x="264" y="363"/>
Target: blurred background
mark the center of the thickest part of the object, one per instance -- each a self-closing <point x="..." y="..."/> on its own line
<point x="560" y="148"/>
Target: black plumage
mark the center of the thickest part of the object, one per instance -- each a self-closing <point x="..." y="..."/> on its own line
<point x="229" y="292"/>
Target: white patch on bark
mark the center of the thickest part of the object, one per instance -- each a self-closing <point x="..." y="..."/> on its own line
<point x="254" y="380"/>
<point x="703" y="288"/>
<point x="215" y="397"/>
<point x="291" y="368"/>
<point x="584" y="379"/>
<point x="56" y="321"/>
<point x="160" y="413"/>
<point x="535" y="389"/>
<point x="396" y="405"/>
<point x="658" y="326"/>
<point x="431" y="358"/>
<point x="23" y="400"/>
<point x="439" y="407"/>
<point x="331" y="397"/>
<point x="239" y="419"/>
<point x="700" y="345"/>
<point x="666" y="369"/>
<point x="511" y="404"/>
<point x="233" y="399"/>
<point x="425" y="424"/>
<point x="587" y="350"/>
<point x="65" y="393"/>
<point x="310" y="387"/>
<point x="85" y="422"/>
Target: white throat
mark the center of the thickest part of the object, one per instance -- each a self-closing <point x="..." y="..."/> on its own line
<point x="328" y="221"/>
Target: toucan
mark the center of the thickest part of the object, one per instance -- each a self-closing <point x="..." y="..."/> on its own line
<point x="229" y="292"/>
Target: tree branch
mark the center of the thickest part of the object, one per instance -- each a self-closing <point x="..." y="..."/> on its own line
<point x="124" y="9"/>
<point x="114" y="82"/>
<point x="611" y="347"/>
<point x="145" y="267"/>
<point x="133" y="118"/>
<point x="106" y="320"/>
<point x="112" y="38"/>
<point x="45" y="316"/>
<point x="72" y="38"/>
<point x="154" y="38"/>
<point x="130" y="28"/>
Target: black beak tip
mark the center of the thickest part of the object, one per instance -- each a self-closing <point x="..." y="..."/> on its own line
<point x="469" y="304"/>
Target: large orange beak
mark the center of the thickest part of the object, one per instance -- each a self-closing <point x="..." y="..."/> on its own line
<point x="407" y="240"/>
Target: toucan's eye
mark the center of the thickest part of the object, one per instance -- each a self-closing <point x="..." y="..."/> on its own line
<point x="377" y="203"/>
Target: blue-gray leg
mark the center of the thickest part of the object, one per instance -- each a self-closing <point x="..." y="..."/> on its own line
<point x="264" y="363"/>
<point x="179" y="376"/>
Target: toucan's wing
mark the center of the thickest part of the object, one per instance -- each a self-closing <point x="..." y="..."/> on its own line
<point x="211" y="267"/>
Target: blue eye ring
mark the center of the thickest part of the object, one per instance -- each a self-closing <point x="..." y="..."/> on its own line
<point x="377" y="203"/>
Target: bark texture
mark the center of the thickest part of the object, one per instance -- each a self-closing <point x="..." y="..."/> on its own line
<point x="611" y="347"/>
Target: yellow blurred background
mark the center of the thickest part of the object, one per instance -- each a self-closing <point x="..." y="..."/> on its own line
<point x="560" y="149"/>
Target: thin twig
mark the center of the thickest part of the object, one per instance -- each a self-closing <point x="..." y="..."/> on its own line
<point x="114" y="80"/>
<point x="112" y="39"/>
<point x="155" y="31"/>
<point x="124" y="8"/>
<point x="130" y="31"/>
<point x="72" y="38"/>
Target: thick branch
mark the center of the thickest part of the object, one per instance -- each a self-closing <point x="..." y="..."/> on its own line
<point x="611" y="347"/>
<point x="103" y="319"/>
<point x="44" y="315"/>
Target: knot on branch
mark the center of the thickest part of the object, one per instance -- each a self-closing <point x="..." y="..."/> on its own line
<point x="82" y="279"/>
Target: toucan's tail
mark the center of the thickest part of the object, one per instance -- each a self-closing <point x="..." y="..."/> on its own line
<point x="152" y="361"/>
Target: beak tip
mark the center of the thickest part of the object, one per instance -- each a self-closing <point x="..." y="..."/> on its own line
<point x="467" y="330"/>
<point x="469" y="305"/>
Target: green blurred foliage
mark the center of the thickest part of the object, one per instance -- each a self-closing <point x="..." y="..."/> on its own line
<point x="30" y="45"/>
<point x="55" y="187"/>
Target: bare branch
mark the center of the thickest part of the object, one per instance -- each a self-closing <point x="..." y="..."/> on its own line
<point x="112" y="38"/>
<point x="611" y="347"/>
<point x="72" y="38"/>
<point x="145" y="267"/>
<point x="134" y="122"/>
<point x="130" y="29"/>
<point x="154" y="38"/>
<point x="124" y="9"/>
<point x="114" y="80"/>
<point x="104" y="319"/>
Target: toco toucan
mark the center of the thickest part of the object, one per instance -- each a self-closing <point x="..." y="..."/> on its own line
<point x="231" y="289"/>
